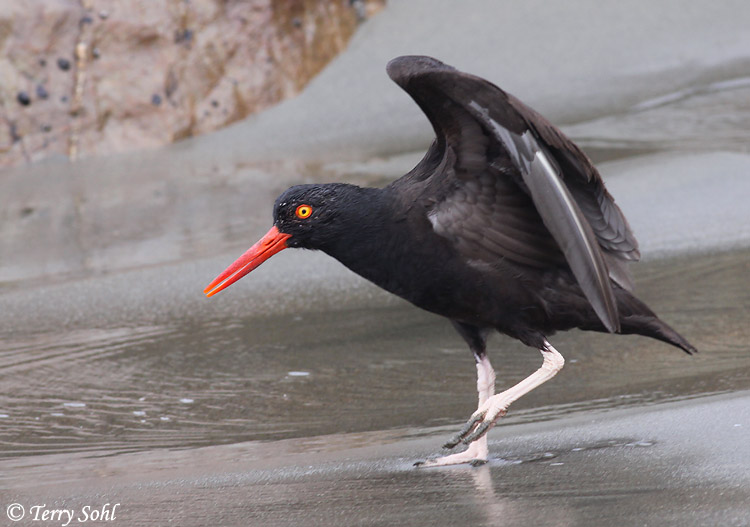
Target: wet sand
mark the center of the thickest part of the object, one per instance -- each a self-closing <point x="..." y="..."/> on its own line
<point x="683" y="464"/>
<point x="192" y="372"/>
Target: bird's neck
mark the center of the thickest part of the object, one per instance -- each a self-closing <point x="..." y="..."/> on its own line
<point x="380" y="237"/>
<point x="363" y="232"/>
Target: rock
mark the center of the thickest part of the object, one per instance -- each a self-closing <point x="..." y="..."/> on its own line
<point x="41" y="91"/>
<point x="23" y="98"/>
<point x="158" y="72"/>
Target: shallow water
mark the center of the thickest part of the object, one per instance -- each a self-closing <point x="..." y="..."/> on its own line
<point x="374" y="366"/>
<point x="682" y="463"/>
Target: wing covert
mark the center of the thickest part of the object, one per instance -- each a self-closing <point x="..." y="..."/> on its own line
<point x="514" y="186"/>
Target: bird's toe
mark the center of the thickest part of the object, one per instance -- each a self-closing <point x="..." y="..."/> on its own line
<point x="488" y="422"/>
<point x="475" y="455"/>
<point x="466" y="429"/>
<point x="462" y="458"/>
<point x="478" y="432"/>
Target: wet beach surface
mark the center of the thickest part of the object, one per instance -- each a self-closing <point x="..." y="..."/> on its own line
<point x="379" y="364"/>
<point x="302" y="395"/>
<point x="672" y="464"/>
<point x="309" y="407"/>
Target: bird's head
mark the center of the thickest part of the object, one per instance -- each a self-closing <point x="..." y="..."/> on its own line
<point x="304" y="216"/>
<point x="308" y="213"/>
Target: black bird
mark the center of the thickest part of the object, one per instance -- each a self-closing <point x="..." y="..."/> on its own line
<point x="505" y="224"/>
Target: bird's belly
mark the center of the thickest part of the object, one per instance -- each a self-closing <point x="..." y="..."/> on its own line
<point x="469" y="295"/>
<point x="499" y="297"/>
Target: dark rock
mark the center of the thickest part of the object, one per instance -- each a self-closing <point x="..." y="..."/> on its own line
<point x="156" y="99"/>
<point x="63" y="64"/>
<point x="23" y="98"/>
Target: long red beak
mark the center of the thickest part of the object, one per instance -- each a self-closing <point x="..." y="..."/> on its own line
<point x="273" y="242"/>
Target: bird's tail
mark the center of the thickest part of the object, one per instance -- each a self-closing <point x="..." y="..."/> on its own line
<point x="637" y="318"/>
<point x="654" y="327"/>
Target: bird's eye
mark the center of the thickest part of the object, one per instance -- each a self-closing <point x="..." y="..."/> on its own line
<point x="303" y="211"/>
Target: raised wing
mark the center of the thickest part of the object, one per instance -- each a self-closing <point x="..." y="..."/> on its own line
<point x="511" y="185"/>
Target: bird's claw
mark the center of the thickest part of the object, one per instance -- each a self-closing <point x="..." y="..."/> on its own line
<point x="478" y="432"/>
<point x="465" y="429"/>
<point x="478" y="425"/>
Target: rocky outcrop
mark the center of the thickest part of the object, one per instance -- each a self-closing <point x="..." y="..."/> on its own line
<point x="88" y="77"/>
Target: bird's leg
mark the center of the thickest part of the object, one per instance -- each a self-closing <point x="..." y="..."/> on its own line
<point x="497" y="405"/>
<point x="477" y="452"/>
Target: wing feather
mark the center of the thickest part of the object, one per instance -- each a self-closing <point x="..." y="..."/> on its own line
<point x="511" y="185"/>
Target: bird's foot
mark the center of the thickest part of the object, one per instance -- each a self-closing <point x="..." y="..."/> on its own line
<point x="480" y="421"/>
<point x="475" y="455"/>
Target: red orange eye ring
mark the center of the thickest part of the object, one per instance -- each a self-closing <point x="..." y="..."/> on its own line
<point x="303" y="211"/>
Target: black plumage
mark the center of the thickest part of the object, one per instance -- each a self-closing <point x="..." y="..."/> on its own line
<point x="504" y="224"/>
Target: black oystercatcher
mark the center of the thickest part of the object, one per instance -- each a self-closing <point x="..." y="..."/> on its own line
<point x="504" y="224"/>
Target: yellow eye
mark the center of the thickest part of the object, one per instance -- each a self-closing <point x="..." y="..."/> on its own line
<point x="303" y="211"/>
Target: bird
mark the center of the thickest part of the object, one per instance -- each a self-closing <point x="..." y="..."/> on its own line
<point x="504" y="225"/>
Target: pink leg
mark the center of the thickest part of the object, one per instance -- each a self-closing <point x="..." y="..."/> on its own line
<point x="477" y="451"/>
<point x="496" y="406"/>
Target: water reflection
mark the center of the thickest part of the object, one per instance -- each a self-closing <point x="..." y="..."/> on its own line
<point x="504" y="510"/>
